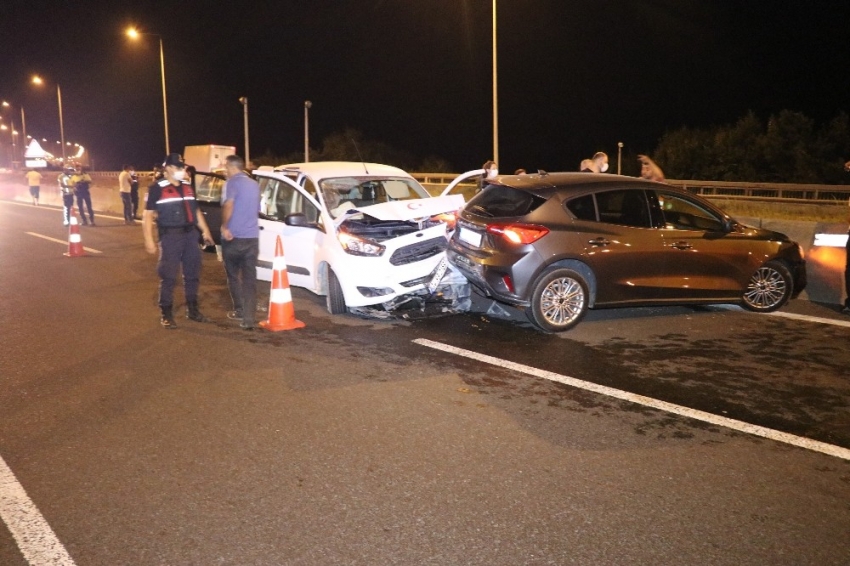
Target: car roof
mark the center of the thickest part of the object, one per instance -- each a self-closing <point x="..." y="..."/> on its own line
<point x="546" y="183"/>
<point x="326" y="169"/>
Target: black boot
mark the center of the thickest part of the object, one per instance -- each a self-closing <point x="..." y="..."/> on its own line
<point x="167" y="320"/>
<point x="193" y="313"/>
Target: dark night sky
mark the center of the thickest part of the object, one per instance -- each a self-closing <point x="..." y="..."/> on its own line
<point x="575" y="76"/>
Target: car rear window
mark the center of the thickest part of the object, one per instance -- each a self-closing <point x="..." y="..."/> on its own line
<point x="499" y="201"/>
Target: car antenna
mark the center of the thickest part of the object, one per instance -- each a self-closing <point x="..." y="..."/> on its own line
<point x="357" y="149"/>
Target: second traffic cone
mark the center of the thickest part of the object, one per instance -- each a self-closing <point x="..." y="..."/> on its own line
<point x="75" y="241"/>
<point x="281" y="311"/>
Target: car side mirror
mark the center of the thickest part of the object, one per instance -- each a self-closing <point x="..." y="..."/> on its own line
<point x="296" y="219"/>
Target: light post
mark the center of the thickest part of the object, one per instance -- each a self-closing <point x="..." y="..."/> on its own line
<point x="495" y="93"/>
<point x="38" y="81"/>
<point x="619" y="157"/>
<point x="307" y="106"/>
<point x="14" y="133"/>
<point x="244" y="101"/>
<point x="134" y="34"/>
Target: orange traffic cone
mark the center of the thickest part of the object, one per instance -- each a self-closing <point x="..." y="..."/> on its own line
<point x="281" y="311"/>
<point x="75" y="242"/>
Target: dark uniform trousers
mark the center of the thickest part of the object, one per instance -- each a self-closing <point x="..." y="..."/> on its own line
<point x="84" y="198"/>
<point x="178" y="246"/>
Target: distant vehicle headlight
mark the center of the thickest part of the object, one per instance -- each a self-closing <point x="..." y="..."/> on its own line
<point x="359" y="246"/>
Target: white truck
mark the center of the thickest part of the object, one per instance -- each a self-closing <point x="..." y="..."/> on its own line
<point x="207" y="157"/>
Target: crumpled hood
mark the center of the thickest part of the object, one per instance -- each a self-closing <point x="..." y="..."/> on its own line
<point x="407" y="209"/>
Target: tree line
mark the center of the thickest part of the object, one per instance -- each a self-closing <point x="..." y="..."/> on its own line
<point x="787" y="148"/>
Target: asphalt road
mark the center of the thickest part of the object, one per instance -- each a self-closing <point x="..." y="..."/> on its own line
<point x="346" y="442"/>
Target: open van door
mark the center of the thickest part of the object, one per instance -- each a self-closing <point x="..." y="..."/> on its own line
<point x="468" y="189"/>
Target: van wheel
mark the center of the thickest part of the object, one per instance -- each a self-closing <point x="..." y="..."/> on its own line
<point x="558" y="300"/>
<point x="335" y="299"/>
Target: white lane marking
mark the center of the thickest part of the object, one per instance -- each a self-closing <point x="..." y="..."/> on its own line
<point x="91" y="250"/>
<point x="792" y="316"/>
<point x="816" y="319"/>
<point x="36" y="540"/>
<point x="799" y="441"/>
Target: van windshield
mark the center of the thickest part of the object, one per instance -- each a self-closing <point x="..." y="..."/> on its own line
<point x="343" y="193"/>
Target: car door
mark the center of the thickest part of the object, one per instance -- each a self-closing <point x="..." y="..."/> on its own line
<point x="281" y="197"/>
<point x="707" y="260"/>
<point x="620" y="244"/>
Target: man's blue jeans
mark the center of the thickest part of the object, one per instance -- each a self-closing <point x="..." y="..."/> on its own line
<point x="240" y="264"/>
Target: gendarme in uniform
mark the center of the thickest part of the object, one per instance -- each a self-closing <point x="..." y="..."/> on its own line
<point x="171" y="204"/>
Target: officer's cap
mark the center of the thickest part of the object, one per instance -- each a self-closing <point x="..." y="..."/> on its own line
<point x="174" y="159"/>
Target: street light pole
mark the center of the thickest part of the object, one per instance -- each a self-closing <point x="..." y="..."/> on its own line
<point x="61" y="123"/>
<point x="619" y="157"/>
<point x="244" y="101"/>
<point x="24" y="131"/>
<point x="164" y="102"/>
<point x="133" y="33"/>
<point x="307" y="106"/>
<point x="495" y="93"/>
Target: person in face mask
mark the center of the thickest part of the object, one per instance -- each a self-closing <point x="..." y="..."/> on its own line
<point x="491" y="171"/>
<point x="600" y="162"/>
<point x="171" y="204"/>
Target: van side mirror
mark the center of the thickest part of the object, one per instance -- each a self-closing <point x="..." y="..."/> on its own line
<point x="296" y="219"/>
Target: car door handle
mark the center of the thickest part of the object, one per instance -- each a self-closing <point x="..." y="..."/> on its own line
<point x="681" y="246"/>
<point x="599" y="242"/>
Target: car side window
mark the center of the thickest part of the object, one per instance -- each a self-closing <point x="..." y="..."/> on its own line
<point x="626" y="207"/>
<point x="208" y="188"/>
<point x="683" y="214"/>
<point x="583" y="208"/>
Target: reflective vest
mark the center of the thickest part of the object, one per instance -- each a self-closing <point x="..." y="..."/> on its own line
<point x="65" y="184"/>
<point x="173" y="209"/>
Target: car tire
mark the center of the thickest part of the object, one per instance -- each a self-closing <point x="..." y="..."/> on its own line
<point x="769" y="288"/>
<point x="335" y="299"/>
<point x="559" y="300"/>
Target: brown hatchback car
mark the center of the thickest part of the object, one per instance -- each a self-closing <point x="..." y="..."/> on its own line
<point x="561" y="243"/>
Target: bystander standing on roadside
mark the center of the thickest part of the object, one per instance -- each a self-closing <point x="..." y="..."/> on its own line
<point x="240" y="239"/>
<point x="34" y="181"/>
<point x="846" y="308"/>
<point x="134" y="192"/>
<point x="66" y="188"/>
<point x="649" y="170"/>
<point x="172" y="206"/>
<point x="125" y="188"/>
<point x="491" y="171"/>
<point x="82" y="188"/>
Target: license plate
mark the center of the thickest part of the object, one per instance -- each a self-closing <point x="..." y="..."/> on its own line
<point x="470" y="237"/>
<point x="438" y="276"/>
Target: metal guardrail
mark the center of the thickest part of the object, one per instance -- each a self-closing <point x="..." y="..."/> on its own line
<point x="776" y="192"/>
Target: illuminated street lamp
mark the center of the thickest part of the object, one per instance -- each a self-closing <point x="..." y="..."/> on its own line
<point x="36" y="80"/>
<point x="307" y="106"/>
<point x="134" y="34"/>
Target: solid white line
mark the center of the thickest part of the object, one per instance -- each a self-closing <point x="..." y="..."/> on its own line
<point x="740" y="426"/>
<point x="807" y="318"/>
<point x="36" y="540"/>
<point x="91" y="250"/>
<point x="792" y="316"/>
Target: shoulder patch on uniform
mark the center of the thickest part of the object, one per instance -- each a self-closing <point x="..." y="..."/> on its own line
<point x="163" y="182"/>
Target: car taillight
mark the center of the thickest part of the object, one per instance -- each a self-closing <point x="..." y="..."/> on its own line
<point x="518" y="233"/>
